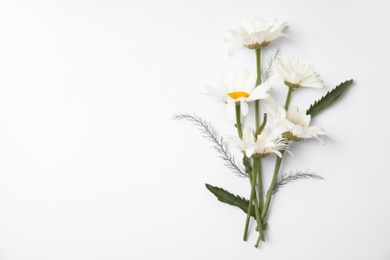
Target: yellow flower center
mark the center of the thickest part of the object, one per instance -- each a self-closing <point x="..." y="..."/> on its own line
<point x="236" y="95"/>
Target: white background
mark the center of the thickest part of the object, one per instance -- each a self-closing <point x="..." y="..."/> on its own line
<point x="92" y="166"/>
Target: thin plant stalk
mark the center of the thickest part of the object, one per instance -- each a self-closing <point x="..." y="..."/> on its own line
<point x="277" y="166"/>
<point x="257" y="115"/>
<point x="248" y="214"/>
<point x="260" y="186"/>
<point x="258" y="81"/>
<point x="238" y="119"/>
<point x="256" y="161"/>
<point x="271" y="188"/>
<point x="253" y="200"/>
<point x="290" y="90"/>
<point x="257" y="211"/>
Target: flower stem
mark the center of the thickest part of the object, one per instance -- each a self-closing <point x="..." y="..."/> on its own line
<point x="258" y="81"/>
<point x="248" y="214"/>
<point x="256" y="166"/>
<point x="257" y="211"/>
<point x="253" y="200"/>
<point x="238" y="119"/>
<point x="290" y="90"/>
<point x="260" y="186"/>
<point x="257" y="178"/>
<point x="260" y="129"/>
<point x="277" y="167"/>
<point x="271" y="187"/>
<point x="258" y="67"/>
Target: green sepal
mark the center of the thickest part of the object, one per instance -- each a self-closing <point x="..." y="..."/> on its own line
<point x="328" y="99"/>
<point x="228" y="198"/>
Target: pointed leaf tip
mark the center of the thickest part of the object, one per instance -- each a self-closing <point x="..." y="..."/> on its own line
<point x="329" y="98"/>
<point x="228" y="198"/>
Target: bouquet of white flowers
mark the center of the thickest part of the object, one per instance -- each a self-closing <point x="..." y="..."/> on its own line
<point x="265" y="139"/>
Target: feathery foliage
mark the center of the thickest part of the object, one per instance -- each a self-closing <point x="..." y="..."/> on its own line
<point x="226" y="197"/>
<point x="291" y="177"/>
<point x="210" y="133"/>
<point x="267" y="70"/>
<point x="328" y="99"/>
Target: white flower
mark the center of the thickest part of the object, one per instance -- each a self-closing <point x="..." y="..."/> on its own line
<point x="296" y="74"/>
<point x="241" y="87"/>
<point x="295" y="125"/>
<point x="265" y="144"/>
<point x="255" y="33"/>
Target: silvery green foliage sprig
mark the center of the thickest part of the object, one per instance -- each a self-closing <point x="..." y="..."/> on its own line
<point x="269" y="137"/>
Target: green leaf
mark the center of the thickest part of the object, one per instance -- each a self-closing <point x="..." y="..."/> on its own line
<point x="226" y="197"/>
<point x="328" y="99"/>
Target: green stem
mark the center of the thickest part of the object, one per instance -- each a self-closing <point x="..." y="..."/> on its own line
<point x="260" y="197"/>
<point x="238" y="119"/>
<point x="258" y="66"/>
<point x="248" y="215"/>
<point x="258" y="240"/>
<point x="260" y="129"/>
<point x="271" y="187"/>
<point x="258" y="81"/>
<point x="260" y="185"/>
<point x="253" y="200"/>
<point x="257" y="211"/>
<point x="256" y="161"/>
<point x="290" y="90"/>
<point x="277" y="167"/>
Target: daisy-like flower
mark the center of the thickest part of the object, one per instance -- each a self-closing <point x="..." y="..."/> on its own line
<point x="241" y="87"/>
<point x="255" y="33"/>
<point x="297" y="74"/>
<point x="295" y="126"/>
<point x="264" y="145"/>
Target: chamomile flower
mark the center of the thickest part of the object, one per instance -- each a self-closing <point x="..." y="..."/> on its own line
<point x="240" y="88"/>
<point x="295" y="125"/>
<point x="264" y="145"/>
<point x="296" y="74"/>
<point x="255" y="33"/>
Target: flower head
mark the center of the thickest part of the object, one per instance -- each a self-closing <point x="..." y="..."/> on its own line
<point x="264" y="145"/>
<point x="241" y="87"/>
<point x="295" y="125"/>
<point x="255" y="33"/>
<point x="296" y="74"/>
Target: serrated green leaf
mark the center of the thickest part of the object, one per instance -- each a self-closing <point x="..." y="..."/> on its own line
<point x="328" y="99"/>
<point x="226" y="197"/>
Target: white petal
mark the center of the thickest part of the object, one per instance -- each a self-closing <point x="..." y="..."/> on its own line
<point x="249" y="151"/>
<point x="230" y="111"/>
<point x="279" y="154"/>
<point x="236" y="141"/>
<point x="296" y="72"/>
<point x="238" y="80"/>
<point x="260" y="92"/>
<point x="247" y="135"/>
<point x="234" y="48"/>
<point x="244" y="108"/>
